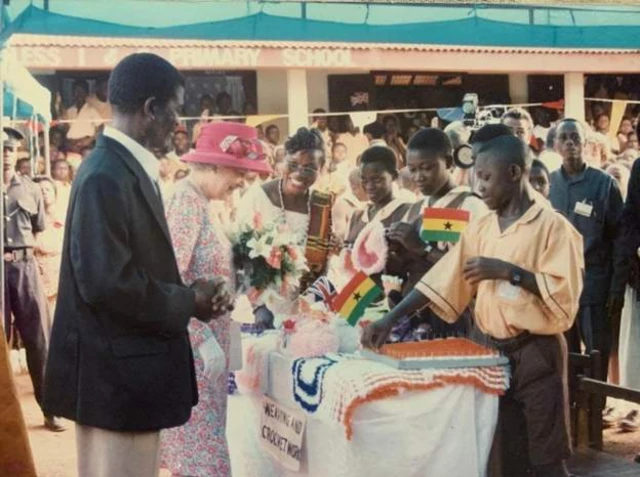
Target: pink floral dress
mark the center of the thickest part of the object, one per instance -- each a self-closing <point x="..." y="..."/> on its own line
<point x="199" y="448"/>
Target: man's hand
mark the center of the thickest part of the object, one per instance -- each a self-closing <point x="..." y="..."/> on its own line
<point x="212" y="298"/>
<point x="374" y="335"/>
<point x="222" y="301"/>
<point x="406" y="235"/>
<point x="478" y="269"/>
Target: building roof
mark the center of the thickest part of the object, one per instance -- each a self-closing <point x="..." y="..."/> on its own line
<point x="65" y="41"/>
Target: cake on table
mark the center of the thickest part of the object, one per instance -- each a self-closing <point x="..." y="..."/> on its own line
<point x="436" y="354"/>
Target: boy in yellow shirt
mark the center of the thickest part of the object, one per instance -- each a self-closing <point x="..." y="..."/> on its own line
<point x="524" y="263"/>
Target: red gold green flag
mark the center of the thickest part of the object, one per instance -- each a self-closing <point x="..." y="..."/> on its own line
<point x="443" y="225"/>
<point x="355" y="297"/>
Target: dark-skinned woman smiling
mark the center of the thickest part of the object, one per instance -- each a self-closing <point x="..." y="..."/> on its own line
<point x="290" y="201"/>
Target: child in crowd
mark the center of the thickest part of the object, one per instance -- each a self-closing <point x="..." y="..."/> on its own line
<point x="429" y="161"/>
<point x="539" y="178"/>
<point x="524" y="264"/>
<point x="354" y="198"/>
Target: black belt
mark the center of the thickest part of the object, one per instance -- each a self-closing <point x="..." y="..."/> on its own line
<point x="18" y="254"/>
<point x="511" y="345"/>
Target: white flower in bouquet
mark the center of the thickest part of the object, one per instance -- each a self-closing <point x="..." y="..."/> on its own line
<point x="259" y="246"/>
<point x="283" y="238"/>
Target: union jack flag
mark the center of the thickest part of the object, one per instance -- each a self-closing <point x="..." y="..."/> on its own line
<point x="360" y="97"/>
<point x="321" y="290"/>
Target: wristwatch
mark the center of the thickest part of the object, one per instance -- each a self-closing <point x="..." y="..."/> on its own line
<point x="515" y="277"/>
<point x="427" y="250"/>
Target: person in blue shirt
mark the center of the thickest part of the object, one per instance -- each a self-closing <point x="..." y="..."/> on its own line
<point x="591" y="200"/>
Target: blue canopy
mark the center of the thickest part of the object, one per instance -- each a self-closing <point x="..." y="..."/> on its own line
<point x="615" y="27"/>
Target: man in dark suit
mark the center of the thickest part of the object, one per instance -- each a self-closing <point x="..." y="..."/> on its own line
<point x="120" y="364"/>
<point x="590" y="199"/>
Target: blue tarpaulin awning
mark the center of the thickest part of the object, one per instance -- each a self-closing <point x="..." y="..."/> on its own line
<point x="606" y="27"/>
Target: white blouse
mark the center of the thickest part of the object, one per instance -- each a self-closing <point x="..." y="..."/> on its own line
<point x="257" y="200"/>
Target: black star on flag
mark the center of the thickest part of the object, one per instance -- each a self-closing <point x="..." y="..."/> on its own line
<point x="448" y="225"/>
<point x="357" y="296"/>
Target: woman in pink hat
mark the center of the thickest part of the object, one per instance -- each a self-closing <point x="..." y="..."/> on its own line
<point x="224" y="154"/>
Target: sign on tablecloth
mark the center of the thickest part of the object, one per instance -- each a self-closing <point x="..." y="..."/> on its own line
<point x="281" y="433"/>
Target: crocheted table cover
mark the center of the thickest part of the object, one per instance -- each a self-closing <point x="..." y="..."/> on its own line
<point x="333" y="387"/>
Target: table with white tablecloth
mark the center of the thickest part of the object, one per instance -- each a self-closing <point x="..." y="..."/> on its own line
<point x="442" y="432"/>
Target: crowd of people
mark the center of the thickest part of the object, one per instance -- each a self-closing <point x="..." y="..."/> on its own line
<point x="150" y="190"/>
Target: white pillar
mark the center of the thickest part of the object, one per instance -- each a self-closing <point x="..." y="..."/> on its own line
<point x="297" y="99"/>
<point x="318" y="87"/>
<point x="519" y="88"/>
<point x="272" y="96"/>
<point x="574" y="96"/>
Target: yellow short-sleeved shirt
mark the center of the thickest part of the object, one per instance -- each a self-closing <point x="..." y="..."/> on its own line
<point x="542" y="242"/>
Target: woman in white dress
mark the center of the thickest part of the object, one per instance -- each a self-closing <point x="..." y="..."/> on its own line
<point x="289" y="200"/>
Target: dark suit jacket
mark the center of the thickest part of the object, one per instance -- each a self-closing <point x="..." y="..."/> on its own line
<point x="600" y="230"/>
<point x="119" y="357"/>
<point x="631" y="229"/>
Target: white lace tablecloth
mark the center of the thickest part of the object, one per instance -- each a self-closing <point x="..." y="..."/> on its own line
<point x="444" y="432"/>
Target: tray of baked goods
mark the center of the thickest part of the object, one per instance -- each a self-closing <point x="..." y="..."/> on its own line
<point x="436" y="354"/>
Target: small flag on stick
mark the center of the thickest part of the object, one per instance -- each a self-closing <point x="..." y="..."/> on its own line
<point x="443" y="225"/>
<point x="355" y="297"/>
<point x="321" y="290"/>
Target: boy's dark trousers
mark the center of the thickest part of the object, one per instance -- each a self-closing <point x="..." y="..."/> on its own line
<point x="532" y="438"/>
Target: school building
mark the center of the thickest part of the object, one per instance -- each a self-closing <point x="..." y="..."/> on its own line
<point x="344" y="57"/>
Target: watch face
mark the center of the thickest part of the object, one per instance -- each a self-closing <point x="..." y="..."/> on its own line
<point x="516" y="278"/>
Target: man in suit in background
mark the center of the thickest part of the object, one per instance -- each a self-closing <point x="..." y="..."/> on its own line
<point x="120" y="364"/>
<point x="591" y="200"/>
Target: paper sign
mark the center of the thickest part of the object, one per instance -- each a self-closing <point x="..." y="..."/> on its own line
<point x="583" y="209"/>
<point x="508" y="291"/>
<point x="281" y="433"/>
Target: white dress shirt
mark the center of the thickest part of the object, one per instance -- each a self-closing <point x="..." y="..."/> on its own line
<point x="145" y="157"/>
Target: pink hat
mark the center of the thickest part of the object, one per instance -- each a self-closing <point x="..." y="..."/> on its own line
<point x="229" y="145"/>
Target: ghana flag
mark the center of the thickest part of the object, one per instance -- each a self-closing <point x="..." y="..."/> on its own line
<point x="355" y="297"/>
<point x="443" y="225"/>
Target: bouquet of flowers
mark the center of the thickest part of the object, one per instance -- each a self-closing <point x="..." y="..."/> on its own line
<point x="268" y="258"/>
